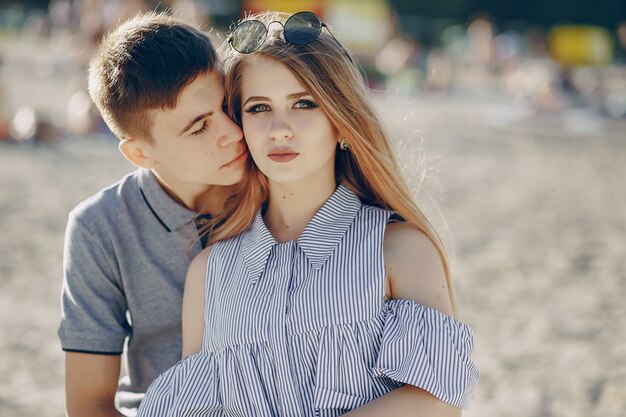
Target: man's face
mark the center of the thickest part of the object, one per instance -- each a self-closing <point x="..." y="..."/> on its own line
<point x="196" y="144"/>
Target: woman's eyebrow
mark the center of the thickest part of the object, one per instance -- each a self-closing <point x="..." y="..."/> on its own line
<point x="255" y="98"/>
<point x="289" y="96"/>
<point x="298" y="95"/>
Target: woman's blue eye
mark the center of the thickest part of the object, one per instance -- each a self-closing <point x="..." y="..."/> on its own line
<point x="305" y="104"/>
<point x="258" y="108"/>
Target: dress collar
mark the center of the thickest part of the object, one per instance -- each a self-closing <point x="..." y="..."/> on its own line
<point x="319" y="239"/>
<point x="168" y="212"/>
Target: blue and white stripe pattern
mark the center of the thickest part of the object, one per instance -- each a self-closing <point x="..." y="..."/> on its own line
<point x="303" y="329"/>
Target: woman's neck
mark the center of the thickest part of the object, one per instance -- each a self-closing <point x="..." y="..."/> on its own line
<point x="292" y="206"/>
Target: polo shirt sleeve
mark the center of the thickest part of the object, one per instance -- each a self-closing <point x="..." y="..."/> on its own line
<point x="92" y="300"/>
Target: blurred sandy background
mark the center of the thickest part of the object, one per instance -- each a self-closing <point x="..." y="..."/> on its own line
<point x="529" y="188"/>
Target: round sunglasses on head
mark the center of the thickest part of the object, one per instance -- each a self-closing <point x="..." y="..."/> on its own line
<point x="301" y="28"/>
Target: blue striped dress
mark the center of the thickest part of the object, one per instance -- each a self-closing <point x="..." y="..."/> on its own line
<point x="303" y="328"/>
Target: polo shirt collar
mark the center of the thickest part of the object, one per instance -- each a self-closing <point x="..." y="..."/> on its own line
<point x="168" y="212"/>
<point x="319" y="239"/>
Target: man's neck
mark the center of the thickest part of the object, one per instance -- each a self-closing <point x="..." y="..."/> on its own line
<point x="199" y="198"/>
<point x="212" y="199"/>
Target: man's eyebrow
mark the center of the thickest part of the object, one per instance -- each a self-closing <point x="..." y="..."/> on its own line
<point x="194" y="121"/>
<point x="289" y="96"/>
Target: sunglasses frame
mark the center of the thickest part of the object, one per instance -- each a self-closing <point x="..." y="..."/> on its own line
<point x="286" y="35"/>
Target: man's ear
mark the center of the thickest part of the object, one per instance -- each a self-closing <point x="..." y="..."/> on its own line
<point x="135" y="151"/>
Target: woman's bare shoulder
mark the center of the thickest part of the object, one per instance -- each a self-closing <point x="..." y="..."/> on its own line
<point x="415" y="269"/>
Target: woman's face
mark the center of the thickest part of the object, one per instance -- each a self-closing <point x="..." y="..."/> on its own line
<point x="289" y="137"/>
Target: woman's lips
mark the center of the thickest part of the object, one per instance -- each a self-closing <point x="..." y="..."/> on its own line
<point x="285" y="155"/>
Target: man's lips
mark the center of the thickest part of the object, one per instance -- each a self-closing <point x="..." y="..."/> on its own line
<point x="239" y="158"/>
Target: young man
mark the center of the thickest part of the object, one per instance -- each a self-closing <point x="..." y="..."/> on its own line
<point x="158" y="86"/>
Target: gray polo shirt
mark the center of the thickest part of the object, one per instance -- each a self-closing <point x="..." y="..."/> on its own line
<point x="127" y="251"/>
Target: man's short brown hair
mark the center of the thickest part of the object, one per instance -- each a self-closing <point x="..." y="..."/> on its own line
<point x="144" y="64"/>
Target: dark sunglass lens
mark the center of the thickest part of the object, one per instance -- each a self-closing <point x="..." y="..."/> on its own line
<point x="302" y="28"/>
<point x="248" y="36"/>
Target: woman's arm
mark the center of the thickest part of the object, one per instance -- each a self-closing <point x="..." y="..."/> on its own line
<point x="414" y="272"/>
<point x="193" y="304"/>
<point x="406" y="401"/>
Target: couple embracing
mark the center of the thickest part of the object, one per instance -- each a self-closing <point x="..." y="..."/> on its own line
<point x="290" y="273"/>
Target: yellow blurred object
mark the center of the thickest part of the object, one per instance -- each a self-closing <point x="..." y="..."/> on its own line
<point x="573" y="45"/>
<point x="288" y="6"/>
<point x="364" y="26"/>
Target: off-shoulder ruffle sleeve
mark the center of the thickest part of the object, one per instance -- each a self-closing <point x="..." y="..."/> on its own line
<point x="425" y="348"/>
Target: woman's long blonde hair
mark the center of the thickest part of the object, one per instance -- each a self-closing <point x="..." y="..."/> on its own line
<point x="369" y="168"/>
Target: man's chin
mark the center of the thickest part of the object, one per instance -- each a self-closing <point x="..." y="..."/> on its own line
<point x="231" y="181"/>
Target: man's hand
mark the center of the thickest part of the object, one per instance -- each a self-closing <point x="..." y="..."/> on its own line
<point x="90" y="384"/>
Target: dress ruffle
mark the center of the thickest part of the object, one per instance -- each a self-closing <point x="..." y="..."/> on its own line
<point x="222" y="383"/>
<point x="344" y="366"/>
<point x="422" y="347"/>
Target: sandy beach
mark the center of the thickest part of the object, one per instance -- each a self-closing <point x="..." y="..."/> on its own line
<point x="533" y="207"/>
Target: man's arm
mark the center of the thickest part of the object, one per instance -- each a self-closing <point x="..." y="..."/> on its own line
<point x="90" y="384"/>
<point x="94" y="320"/>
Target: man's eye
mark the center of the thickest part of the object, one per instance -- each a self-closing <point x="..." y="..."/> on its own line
<point x="201" y="130"/>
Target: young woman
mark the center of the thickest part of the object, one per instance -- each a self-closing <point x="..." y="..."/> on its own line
<point x="326" y="291"/>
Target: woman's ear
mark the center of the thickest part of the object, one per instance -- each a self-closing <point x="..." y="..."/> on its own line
<point x="135" y="151"/>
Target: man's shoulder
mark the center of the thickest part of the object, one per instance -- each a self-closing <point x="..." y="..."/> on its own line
<point x="110" y="202"/>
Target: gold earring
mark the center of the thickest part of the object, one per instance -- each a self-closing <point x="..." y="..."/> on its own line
<point x="343" y="145"/>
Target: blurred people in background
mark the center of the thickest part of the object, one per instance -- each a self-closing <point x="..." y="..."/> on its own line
<point x="621" y="42"/>
<point x="96" y="17"/>
<point x="4" y="115"/>
<point x="549" y="68"/>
